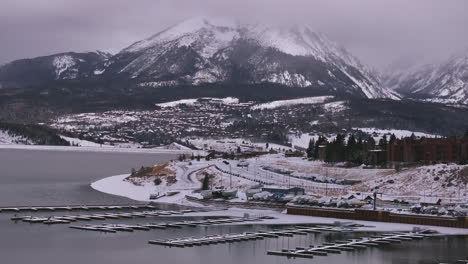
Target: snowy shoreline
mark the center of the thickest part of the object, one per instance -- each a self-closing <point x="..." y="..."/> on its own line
<point x="115" y="185"/>
<point x="96" y="149"/>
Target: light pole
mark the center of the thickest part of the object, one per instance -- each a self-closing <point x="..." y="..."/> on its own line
<point x="230" y="176"/>
<point x="375" y="199"/>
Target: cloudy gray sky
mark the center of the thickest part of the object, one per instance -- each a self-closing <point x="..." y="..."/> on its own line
<point x="378" y="32"/>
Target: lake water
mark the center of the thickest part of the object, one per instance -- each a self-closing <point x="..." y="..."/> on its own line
<point x="31" y="177"/>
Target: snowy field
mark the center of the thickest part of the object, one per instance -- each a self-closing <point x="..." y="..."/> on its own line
<point x="226" y="100"/>
<point x="80" y="143"/>
<point x="291" y="102"/>
<point x="302" y="140"/>
<point x="230" y="145"/>
<point x="379" y="133"/>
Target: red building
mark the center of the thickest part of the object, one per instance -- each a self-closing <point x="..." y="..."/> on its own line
<point x="428" y="150"/>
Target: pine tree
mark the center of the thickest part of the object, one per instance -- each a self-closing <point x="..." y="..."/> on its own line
<point x="351" y="148"/>
<point x="320" y="141"/>
<point x="383" y="142"/>
<point x="370" y="143"/>
<point x="310" y="149"/>
<point x="339" y="148"/>
<point x="392" y="139"/>
<point x="206" y="182"/>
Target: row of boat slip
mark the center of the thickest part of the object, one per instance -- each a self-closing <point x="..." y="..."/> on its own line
<point x="77" y="208"/>
<point x="231" y="238"/>
<point x="72" y="218"/>
<point x="130" y="228"/>
<point x="348" y="245"/>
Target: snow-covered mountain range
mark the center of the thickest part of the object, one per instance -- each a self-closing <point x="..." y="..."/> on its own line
<point x="206" y="50"/>
<point x="63" y="66"/>
<point x="443" y="83"/>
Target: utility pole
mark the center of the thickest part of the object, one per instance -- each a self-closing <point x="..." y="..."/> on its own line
<point x="230" y="176"/>
<point x="326" y="183"/>
<point x="375" y="199"/>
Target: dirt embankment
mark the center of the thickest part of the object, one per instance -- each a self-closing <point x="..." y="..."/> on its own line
<point x="158" y="174"/>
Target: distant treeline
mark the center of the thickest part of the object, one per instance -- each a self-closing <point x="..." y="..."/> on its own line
<point x="38" y="134"/>
<point x="355" y="150"/>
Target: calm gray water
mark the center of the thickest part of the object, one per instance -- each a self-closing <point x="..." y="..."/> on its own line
<point x="38" y="177"/>
<point x="51" y="177"/>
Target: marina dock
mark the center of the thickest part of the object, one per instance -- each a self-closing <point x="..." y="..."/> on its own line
<point x="146" y="227"/>
<point x="88" y="217"/>
<point x="348" y="245"/>
<point x="231" y="238"/>
<point x="76" y="208"/>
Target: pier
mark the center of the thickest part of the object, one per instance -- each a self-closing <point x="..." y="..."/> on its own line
<point x="65" y="219"/>
<point x="348" y="245"/>
<point x="146" y="227"/>
<point x="232" y="238"/>
<point x="76" y="208"/>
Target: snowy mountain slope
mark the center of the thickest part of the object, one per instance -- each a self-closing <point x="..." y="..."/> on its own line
<point x="63" y="66"/>
<point x="444" y="83"/>
<point x="9" y="138"/>
<point x="205" y="50"/>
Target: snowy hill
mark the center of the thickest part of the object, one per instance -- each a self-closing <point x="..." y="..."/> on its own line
<point x="205" y="50"/>
<point x="10" y="138"/>
<point x="63" y="66"/>
<point x="444" y="83"/>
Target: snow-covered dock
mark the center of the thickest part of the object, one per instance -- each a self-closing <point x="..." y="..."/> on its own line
<point x="145" y="227"/>
<point x="231" y="238"/>
<point x="349" y="245"/>
<point x="76" y="208"/>
<point x="72" y="218"/>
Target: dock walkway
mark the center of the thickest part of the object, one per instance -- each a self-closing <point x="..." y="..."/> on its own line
<point x="88" y="217"/>
<point x="231" y="238"/>
<point x="348" y="245"/>
<point x="148" y="226"/>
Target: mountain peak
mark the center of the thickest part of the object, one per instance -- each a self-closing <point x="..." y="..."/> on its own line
<point x="187" y="27"/>
<point x="213" y="50"/>
<point x="446" y="82"/>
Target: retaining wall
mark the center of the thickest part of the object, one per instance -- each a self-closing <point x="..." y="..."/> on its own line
<point x="380" y="216"/>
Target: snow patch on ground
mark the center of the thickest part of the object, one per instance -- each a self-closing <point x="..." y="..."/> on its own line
<point x="226" y="100"/>
<point x="9" y="138"/>
<point x="291" y="102"/>
<point x="441" y="180"/>
<point x="232" y="144"/>
<point x="379" y="133"/>
<point x="80" y="143"/>
<point x="175" y="146"/>
<point x="335" y="107"/>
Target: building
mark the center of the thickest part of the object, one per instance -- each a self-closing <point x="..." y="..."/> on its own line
<point x="428" y="150"/>
<point x="377" y="156"/>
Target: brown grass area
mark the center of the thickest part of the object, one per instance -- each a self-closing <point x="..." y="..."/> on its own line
<point x="155" y="171"/>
